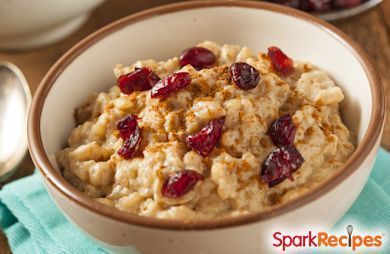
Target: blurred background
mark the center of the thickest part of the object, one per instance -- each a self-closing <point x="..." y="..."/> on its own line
<point x="365" y="21"/>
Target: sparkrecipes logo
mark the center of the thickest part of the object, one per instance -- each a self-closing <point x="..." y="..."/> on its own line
<point x="318" y="240"/>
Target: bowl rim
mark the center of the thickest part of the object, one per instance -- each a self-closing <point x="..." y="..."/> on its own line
<point x="73" y="195"/>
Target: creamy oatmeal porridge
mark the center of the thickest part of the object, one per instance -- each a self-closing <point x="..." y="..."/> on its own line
<point x="219" y="131"/>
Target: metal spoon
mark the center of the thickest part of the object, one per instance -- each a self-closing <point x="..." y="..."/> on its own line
<point x="15" y="99"/>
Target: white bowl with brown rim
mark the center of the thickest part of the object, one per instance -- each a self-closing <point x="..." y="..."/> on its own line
<point x="163" y="32"/>
<point x="31" y="24"/>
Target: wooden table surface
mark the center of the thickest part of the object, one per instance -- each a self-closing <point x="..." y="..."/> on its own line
<point x="370" y="29"/>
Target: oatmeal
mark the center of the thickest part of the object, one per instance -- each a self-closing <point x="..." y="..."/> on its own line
<point x="218" y="131"/>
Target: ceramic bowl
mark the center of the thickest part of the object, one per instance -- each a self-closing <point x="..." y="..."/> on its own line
<point x="35" y="23"/>
<point x="163" y="32"/>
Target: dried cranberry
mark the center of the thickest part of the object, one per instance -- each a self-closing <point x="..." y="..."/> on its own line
<point x="141" y="79"/>
<point x="245" y="76"/>
<point x="346" y="3"/>
<point x="281" y="63"/>
<point x="205" y="140"/>
<point x="130" y="144"/>
<point x="282" y="131"/>
<point x="180" y="183"/>
<point x="131" y="134"/>
<point x="281" y="164"/>
<point x="127" y="125"/>
<point x="171" y="84"/>
<point x="198" y="57"/>
<point x="304" y="5"/>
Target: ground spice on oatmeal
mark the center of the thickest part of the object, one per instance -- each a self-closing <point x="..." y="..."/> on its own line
<point x="232" y="184"/>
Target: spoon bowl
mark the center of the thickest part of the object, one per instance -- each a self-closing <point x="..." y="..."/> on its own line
<point x="15" y="99"/>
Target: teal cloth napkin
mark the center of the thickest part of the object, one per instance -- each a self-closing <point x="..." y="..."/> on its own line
<point x="33" y="224"/>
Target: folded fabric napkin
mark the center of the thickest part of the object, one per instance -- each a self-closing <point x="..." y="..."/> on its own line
<point x="33" y="224"/>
